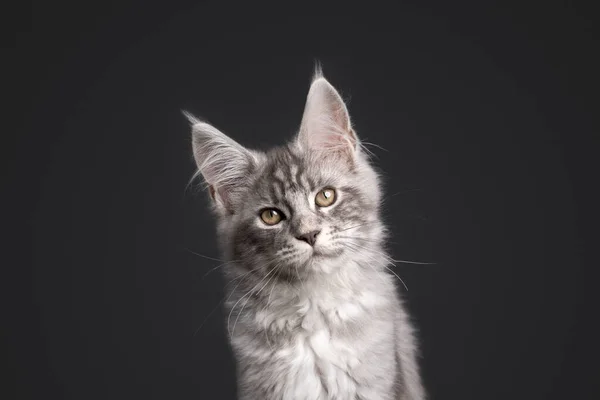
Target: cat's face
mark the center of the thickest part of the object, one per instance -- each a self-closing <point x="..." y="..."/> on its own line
<point x="302" y="213"/>
<point x="300" y="208"/>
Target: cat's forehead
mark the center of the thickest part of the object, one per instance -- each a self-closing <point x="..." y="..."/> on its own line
<point x="287" y="169"/>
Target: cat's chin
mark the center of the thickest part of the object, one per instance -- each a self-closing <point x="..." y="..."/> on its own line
<point x="319" y="253"/>
<point x="321" y="261"/>
<point x="311" y="260"/>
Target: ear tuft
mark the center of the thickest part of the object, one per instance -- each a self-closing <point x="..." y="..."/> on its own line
<point x="192" y="120"/>
<point x="318" y="71"/>
<point x="223" y="163"/>
<point x="326" y="125"/>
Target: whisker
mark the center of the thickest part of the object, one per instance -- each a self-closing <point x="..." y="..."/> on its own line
<point x="383" y="265"/>
<point x="276" y="268"/>
<point x="238" y="316"/>
<point x="368" y="240"/>
<point x="392" y="260"/>
<point x="209" y="315"/>
<point x="413" y="262"/>
<point x="267" y="306"/>
<point x="273" y="287"/>
<point x="241" y="298"/>
<point x="374" y="145"/>
<point x="358" y="238"/>
<point x="217" y="267"/>
<point x="299" y="277"/>
<point x="397" y="276"/>
<point x="368" y="151"/>
<point x="248" y="298"/>
<point x="203" y="256"/>
<point x="371" y="266"/>
<point x="223" y="299"/>
<point x="405" y="191"/>
<point x="357" y="226"/>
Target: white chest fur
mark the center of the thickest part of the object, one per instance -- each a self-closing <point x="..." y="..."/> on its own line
<point x="319" y="361"/>
<point x="316" y="344"/>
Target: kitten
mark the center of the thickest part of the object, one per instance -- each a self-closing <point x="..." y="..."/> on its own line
<point x="312" y="311"/>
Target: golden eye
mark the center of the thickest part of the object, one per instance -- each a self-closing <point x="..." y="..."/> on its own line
<point x="325" y="197"/>
<point x="271" y="216"/>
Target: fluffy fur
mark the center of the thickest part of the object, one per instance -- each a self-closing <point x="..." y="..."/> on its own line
<point x="308" y="322"/>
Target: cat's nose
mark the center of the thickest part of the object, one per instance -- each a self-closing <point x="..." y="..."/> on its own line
<point x="310" y="237"/>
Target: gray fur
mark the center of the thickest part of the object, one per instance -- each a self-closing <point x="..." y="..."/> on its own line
<point x="322" y="322"/>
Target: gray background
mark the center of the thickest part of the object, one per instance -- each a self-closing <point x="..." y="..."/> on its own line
<point x="485" y="113"/>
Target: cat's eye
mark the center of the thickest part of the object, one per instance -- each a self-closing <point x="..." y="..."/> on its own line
<point x="325" y="197"/>
<point x="271" y="216"/>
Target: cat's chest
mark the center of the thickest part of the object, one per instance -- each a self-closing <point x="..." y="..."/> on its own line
<point x="317" y="345"/>
<point x="310" y="317"/>
<point x="323" y="361"/>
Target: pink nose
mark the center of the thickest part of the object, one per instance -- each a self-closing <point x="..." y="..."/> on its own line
<point x="310" y="237"/>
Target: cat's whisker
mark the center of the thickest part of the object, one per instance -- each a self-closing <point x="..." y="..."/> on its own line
<point x="368" y="151"/>
<point x="246" y="295"/>
<point x="236" y="303"/>
<point x="383" y="265"/>
<point x="355" y="251"/>
<point x="362" y="239"/>
<point x="372" y="250"/>
<point x="241" y="279"/>
<point x="359" y="238"/>
<point x="209" y="315"/>
<point x="266" y="325"/>
<point x="195" y="176"/>
<point x="413" y="262"/>
<point x="273" y="287"/>
<point x="276" y="268"/>
<point x="267" y="306"/>
<point x="392" y="260"/>
<point x="238" y="316"/>
<point x="231" y="311"/>
<point x="217" y="267"/>
<point x="357" y="226"/>
<point x="299" y="277"/>
<point x="374" y="145"/>
<point x="397" y="276"/>
<point x="405" y="191"/>
<point x="203" y="256"/>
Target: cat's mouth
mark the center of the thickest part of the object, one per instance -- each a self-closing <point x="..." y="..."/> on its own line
<point x="319" y="252"/>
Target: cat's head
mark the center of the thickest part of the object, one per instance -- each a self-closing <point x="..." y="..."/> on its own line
<point x="304" y="207"/>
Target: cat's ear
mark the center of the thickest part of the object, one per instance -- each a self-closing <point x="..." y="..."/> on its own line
<point x="326" y="125"/>
<point x="223" y="163"/>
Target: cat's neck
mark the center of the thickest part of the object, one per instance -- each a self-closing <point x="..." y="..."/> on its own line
<point x="336" y="281"/>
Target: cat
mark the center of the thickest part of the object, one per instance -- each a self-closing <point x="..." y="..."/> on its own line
<point x="312" y="311"/>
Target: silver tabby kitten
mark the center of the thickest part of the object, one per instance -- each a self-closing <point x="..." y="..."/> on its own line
<point x="313" y="312"/>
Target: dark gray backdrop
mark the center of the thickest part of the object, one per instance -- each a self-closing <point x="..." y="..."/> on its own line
<point x="484" y="112"/>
